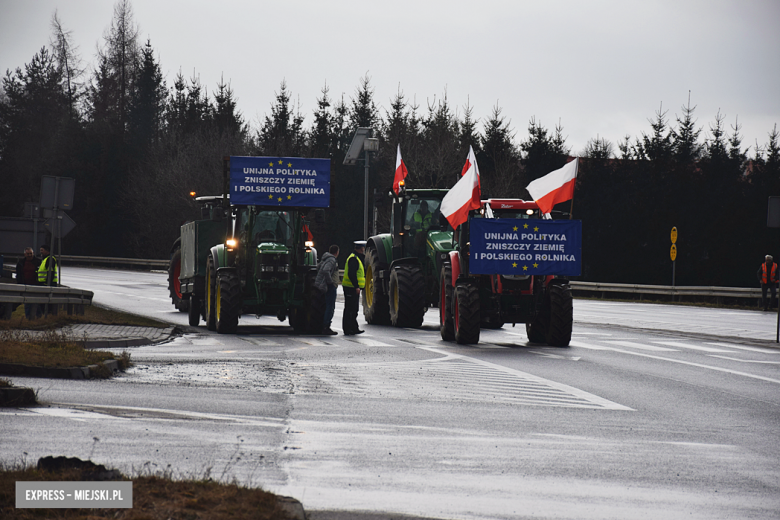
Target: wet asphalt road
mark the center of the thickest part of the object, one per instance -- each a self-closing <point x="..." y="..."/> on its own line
<point x="625" y="423"/>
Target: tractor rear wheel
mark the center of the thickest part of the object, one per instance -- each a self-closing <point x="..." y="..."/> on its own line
<point x="376" y="307"/>
<point x="407" y="296"/>
<point x="466" y="314"/>
<point x="211" y="289"/>
<point x="446" y="323"/>
<point x="174" y="284"/>
<point x="228" y="301"/>
<point x="561" y="316"/>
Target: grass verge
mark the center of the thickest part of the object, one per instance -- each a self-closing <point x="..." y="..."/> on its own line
<point x="154" y="498"/>
<point x="51" y="348"/>
<point x="92" y="314"/>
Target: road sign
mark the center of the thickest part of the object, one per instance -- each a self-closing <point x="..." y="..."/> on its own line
<point x="57" y="192"/>
<point x="673" y="252"/>
<point x="674" y="236"/>
<point x="62" y="229"/>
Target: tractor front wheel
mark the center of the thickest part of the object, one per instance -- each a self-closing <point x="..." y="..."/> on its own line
<point x="407" y="297"/>
<point x="211" y="289"/>
<point x="561" y="316"/>
<point x="376" y="307"/>
<point x="466" y="314"/>
<point x="446" y="323"/>
<point x="228" y="301"/>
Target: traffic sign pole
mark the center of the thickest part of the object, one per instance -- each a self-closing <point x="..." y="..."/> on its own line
<point x="673" y="254"/>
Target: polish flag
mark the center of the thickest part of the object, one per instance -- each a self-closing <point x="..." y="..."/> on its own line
<point x="557" y="186"/>
<point x="465" y="195"/>
<point x="400" y="172"/>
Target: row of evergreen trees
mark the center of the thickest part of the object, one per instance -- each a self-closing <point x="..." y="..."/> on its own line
<point x="137" y="147"/>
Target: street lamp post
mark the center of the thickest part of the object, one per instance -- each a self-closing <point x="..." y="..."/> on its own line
<point x="362" y="141"/>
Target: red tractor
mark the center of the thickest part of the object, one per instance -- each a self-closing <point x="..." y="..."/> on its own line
<point x="471" y="301"/>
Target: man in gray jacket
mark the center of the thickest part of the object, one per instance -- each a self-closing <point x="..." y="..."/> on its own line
<point x="327" y="282"/>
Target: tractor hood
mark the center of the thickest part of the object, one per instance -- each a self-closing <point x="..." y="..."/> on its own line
<point x="440" y="240"/>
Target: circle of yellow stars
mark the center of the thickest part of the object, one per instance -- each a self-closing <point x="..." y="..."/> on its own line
<point x="525" y="267"/>
<point x="289" y="165"/>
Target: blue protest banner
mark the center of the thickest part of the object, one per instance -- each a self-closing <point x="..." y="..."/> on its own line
<point x="280" y="181"/>
<point x="526" y="247"/>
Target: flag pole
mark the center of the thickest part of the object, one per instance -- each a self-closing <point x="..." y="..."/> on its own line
<point x="571" y="208"/>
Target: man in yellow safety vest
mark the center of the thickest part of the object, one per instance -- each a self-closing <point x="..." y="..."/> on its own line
<point x="354" y="280"/>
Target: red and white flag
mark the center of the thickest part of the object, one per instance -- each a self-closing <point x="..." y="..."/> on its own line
<point x="465" y="195"/>
<point x="557" y="186"/>
<point x="400" y="172"/>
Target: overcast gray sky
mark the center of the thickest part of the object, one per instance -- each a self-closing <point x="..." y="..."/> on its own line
<point x="601" y="68"/>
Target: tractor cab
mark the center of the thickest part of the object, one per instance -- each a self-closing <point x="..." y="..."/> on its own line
<point x="415" y="214"/>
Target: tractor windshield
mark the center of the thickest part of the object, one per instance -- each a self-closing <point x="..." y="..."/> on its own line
<point x="422" y="214"/>
<point x="273" y="226"/>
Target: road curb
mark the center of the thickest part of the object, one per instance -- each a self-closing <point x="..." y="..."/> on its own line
<point x="14" y="396"/>
<point x="14" y="369"/>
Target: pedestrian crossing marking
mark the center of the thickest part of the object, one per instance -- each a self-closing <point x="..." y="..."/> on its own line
<point x="640" y="346"/>
<point x="451" y="377"/>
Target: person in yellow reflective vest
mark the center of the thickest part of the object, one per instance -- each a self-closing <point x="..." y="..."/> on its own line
<point x="422" y="217"/>
<point x="354" y="280"/>
<point x="43" y="269"/>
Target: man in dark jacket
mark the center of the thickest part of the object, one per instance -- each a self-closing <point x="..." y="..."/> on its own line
<point x="327" y="282"/>
<point x="354" y="280"/>
<point x="767" y="275"/>
<point x="27" y="274"/>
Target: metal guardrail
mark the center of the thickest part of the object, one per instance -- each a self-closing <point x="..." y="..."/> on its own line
<point x="107" y="260"/>
<point x="11" y="295"/>
<point x="676" y="293"/>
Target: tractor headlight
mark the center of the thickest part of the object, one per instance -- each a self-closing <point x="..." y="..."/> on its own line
<point x="309" y="243"/>
<point x="283" y="268"/>
<point x="266" y="268"/>
<point x="231" y="244"/>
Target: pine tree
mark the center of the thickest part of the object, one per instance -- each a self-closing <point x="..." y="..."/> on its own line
<point x="363" y="111"/>
<point x="148" y="103"/>
<point x="69" y="63"/>
<point x="321" y="133"/>
<point x="34" y="112"/>
<point x="542" y="153"/>
<point x="226" y="119"/>
<point x="499" y="159"/>
<point x="658" y="146"/>
<point x="716" y="146"/>
<point x="282" y="133"/>
<point x="685" y="139"/>
<point x="439" y="166"/>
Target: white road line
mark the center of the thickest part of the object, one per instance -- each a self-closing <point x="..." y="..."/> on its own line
<point x="749" y="360"/>
<point x="589" y="346"/>
<point x="691" y="347"/>
<point x="641" y="346"/>
<point x="367" y="342"/>
<point x="749" y="349"/>
<point x="699" y="365"/>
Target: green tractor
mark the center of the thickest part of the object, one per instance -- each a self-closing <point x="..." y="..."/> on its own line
<point x="249" y="259"/>
<point x="402" y="267"/>
<point x="470" y="302"/>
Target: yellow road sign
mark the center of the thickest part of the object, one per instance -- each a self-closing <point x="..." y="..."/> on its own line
<point x="674" y="236"/>
<point x="673" y="253"/>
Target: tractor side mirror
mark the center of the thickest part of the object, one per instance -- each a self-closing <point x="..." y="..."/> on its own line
<point x="319" y="216"/>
